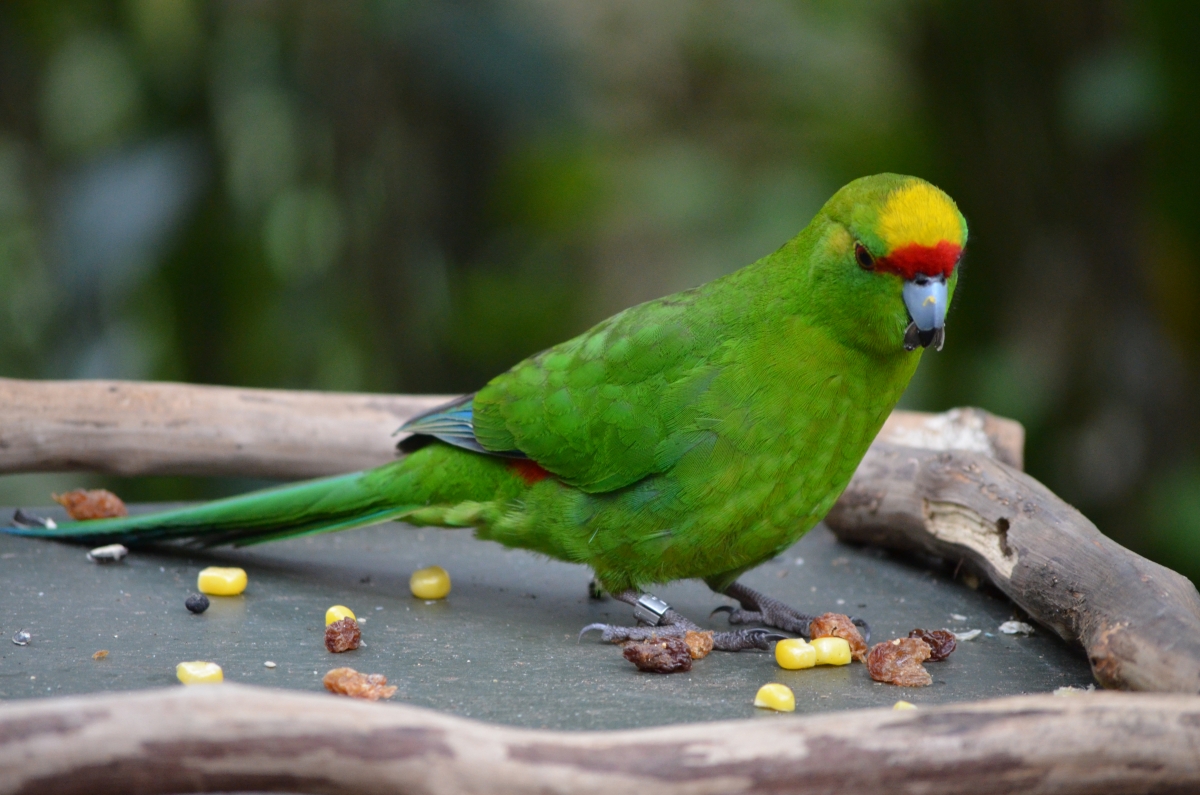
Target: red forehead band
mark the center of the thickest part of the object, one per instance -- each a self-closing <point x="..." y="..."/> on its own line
<point x="908" y="261"/>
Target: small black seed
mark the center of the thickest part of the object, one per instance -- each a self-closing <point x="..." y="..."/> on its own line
<point x="197" y="603"/>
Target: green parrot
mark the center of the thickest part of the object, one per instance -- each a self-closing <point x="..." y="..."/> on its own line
<point x="693" y="436"/>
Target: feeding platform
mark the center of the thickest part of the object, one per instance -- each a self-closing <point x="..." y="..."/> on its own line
<point x="495" y="690"/>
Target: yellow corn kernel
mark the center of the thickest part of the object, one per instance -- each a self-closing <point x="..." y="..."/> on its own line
<point x="832" y="651"/>
<point x="337" y="613"/>
<point x="902" y="705"/>
<point x="794" y="654"/>
<point x="199" y="672"/>
<point x="218" y="581"/>
<point x="430" y="583"/>
<point x="775" y="696"/>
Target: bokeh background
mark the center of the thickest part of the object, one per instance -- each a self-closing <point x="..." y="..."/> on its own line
<point x="410" y="197"/>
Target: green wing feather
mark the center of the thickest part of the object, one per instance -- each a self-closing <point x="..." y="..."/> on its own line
<point x="615" y="404"/>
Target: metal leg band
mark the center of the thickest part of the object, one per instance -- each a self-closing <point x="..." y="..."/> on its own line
<point x="650" y="609"/>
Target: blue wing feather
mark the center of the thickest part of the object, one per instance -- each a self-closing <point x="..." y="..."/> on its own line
<point x="453" y="423"/>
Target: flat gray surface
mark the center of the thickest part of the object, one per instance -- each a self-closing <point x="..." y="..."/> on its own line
<point x="502" y="647"/>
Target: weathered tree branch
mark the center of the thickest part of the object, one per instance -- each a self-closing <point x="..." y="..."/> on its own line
<point x="1138" y="621"/>
<point x="233" y="738"/>
<point x="966" y="429"/>
<point x="132" y="428"/>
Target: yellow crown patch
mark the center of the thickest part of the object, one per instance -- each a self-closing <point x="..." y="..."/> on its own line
<point x="919" y="213"/>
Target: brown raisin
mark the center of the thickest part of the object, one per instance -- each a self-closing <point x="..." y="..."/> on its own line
<point x="898" y="662"/>
<point x="349" y="682"/>
<point x="837" y="625"/>
<point x="93" y="504"/>
<point x="342" y="635"/>
<point x="699" y="644"/>
<point x="660" y="655"/>
<point x="941" y="642"/>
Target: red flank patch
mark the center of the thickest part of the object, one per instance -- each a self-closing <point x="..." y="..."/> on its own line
<point x="529" y="471"/>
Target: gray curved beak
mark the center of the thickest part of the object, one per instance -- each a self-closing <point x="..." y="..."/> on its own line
<point x="925" y="298"/>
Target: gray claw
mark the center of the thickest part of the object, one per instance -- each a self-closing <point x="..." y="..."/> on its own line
<point x="722" y="609"/>
<point x="589" y="628"/>
<point x="863" y="626"/>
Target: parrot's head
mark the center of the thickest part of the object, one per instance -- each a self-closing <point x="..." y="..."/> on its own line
<point x="886" y="261"/>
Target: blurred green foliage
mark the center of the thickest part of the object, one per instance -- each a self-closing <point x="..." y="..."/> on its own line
<point x="403" y="196"/>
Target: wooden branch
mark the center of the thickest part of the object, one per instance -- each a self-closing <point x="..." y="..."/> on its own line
<point x="967" y="429"/>
<point x="236" y="738"/>
<point x="132" y="428"/>
<point x="139" y="428"/>
<point x="233" y="737"/>
<point x="1138" y="621"/>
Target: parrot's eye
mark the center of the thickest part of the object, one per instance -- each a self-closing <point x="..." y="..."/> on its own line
<point x="865" y="260"/>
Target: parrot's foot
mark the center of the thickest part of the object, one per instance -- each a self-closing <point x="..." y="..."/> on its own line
<point x="759" y="608"/>
<point x="671" y="623"/>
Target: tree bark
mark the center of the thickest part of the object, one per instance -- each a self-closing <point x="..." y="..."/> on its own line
<point x="134" y="428"/>
<point x="235" y="738"/>
<point x="1138" y="621"/>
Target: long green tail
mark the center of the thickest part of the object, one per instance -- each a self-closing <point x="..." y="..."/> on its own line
<point x="315" y="506"/>
<point x="436" y="485"/>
